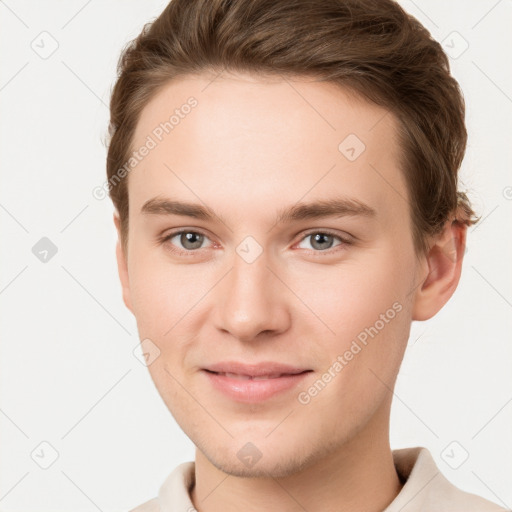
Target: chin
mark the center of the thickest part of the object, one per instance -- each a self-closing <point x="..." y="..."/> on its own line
<point x="260" y="457"/>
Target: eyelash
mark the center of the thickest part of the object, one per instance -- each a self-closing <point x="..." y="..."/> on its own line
<point x="343" y="242"/>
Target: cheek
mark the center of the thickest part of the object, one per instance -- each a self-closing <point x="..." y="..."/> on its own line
<point x="353" y="296"/>
<point x="168" y="304"/>
<point x="360" y="363"/>
<point x="162" y="300"/>
<point x="161" y="294"/>
<point x="367" y="308"/>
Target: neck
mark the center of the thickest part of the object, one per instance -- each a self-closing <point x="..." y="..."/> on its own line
<point x="357" y="476"/>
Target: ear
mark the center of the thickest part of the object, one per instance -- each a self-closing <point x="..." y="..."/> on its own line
<point x="122" y="265"/>
<point x="441" y="270"/>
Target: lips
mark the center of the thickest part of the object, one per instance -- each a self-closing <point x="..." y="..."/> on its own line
<point x="252" y="384"/>
<point x="259" y="371"/>
<point x="248" y="377"/>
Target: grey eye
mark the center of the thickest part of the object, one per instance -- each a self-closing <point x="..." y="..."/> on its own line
<point x="320" y="241"/>
<point x="190" y="240"/>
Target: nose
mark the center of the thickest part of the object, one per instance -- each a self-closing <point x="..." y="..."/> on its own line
<point x="251" y="301"/>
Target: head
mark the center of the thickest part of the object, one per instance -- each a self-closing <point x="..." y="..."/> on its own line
<point x="285" y="184"/>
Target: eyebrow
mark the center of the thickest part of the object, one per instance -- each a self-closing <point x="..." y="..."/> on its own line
<point x="337" y="207"/>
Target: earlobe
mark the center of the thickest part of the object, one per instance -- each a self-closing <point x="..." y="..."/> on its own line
<point x="122" y="265"/>
<point x="443" y="269"/>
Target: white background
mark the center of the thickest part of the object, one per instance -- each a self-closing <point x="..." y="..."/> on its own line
<point x="68" y="373"/>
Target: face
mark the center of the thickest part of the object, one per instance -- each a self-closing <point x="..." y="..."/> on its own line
<point x="295" y="247"/>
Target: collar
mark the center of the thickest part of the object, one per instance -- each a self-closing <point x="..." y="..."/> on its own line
<point x="425" y="488"/>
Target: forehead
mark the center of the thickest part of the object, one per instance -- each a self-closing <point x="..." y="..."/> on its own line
<point x="231" y="139"/>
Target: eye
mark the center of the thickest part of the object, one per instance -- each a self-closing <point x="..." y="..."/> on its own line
<point x="189" y="241"/>
<point x="323" y="240"/>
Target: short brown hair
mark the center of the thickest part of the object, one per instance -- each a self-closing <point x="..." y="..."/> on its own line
<point x="371" y="47"/>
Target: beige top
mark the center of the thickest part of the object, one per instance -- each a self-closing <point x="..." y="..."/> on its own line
<point x="425" y="489"/>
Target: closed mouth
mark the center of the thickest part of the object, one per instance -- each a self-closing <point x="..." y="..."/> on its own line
<point x="259" y="377"/>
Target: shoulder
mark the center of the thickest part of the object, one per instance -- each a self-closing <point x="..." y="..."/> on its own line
<point x="427" y="489"/>
<point x="149" y="506"/>
<point x="455" y="499"/>
<point x="174" y="493"/>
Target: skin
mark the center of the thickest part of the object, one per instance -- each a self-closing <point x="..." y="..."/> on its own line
<point x="251" y="147"/>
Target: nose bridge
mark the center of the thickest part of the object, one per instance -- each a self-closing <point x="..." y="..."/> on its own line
<point x="250" y="300"/>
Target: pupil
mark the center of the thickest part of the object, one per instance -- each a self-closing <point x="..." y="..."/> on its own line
<point x="319" y="238"/>
<point x="195" y="239"/>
